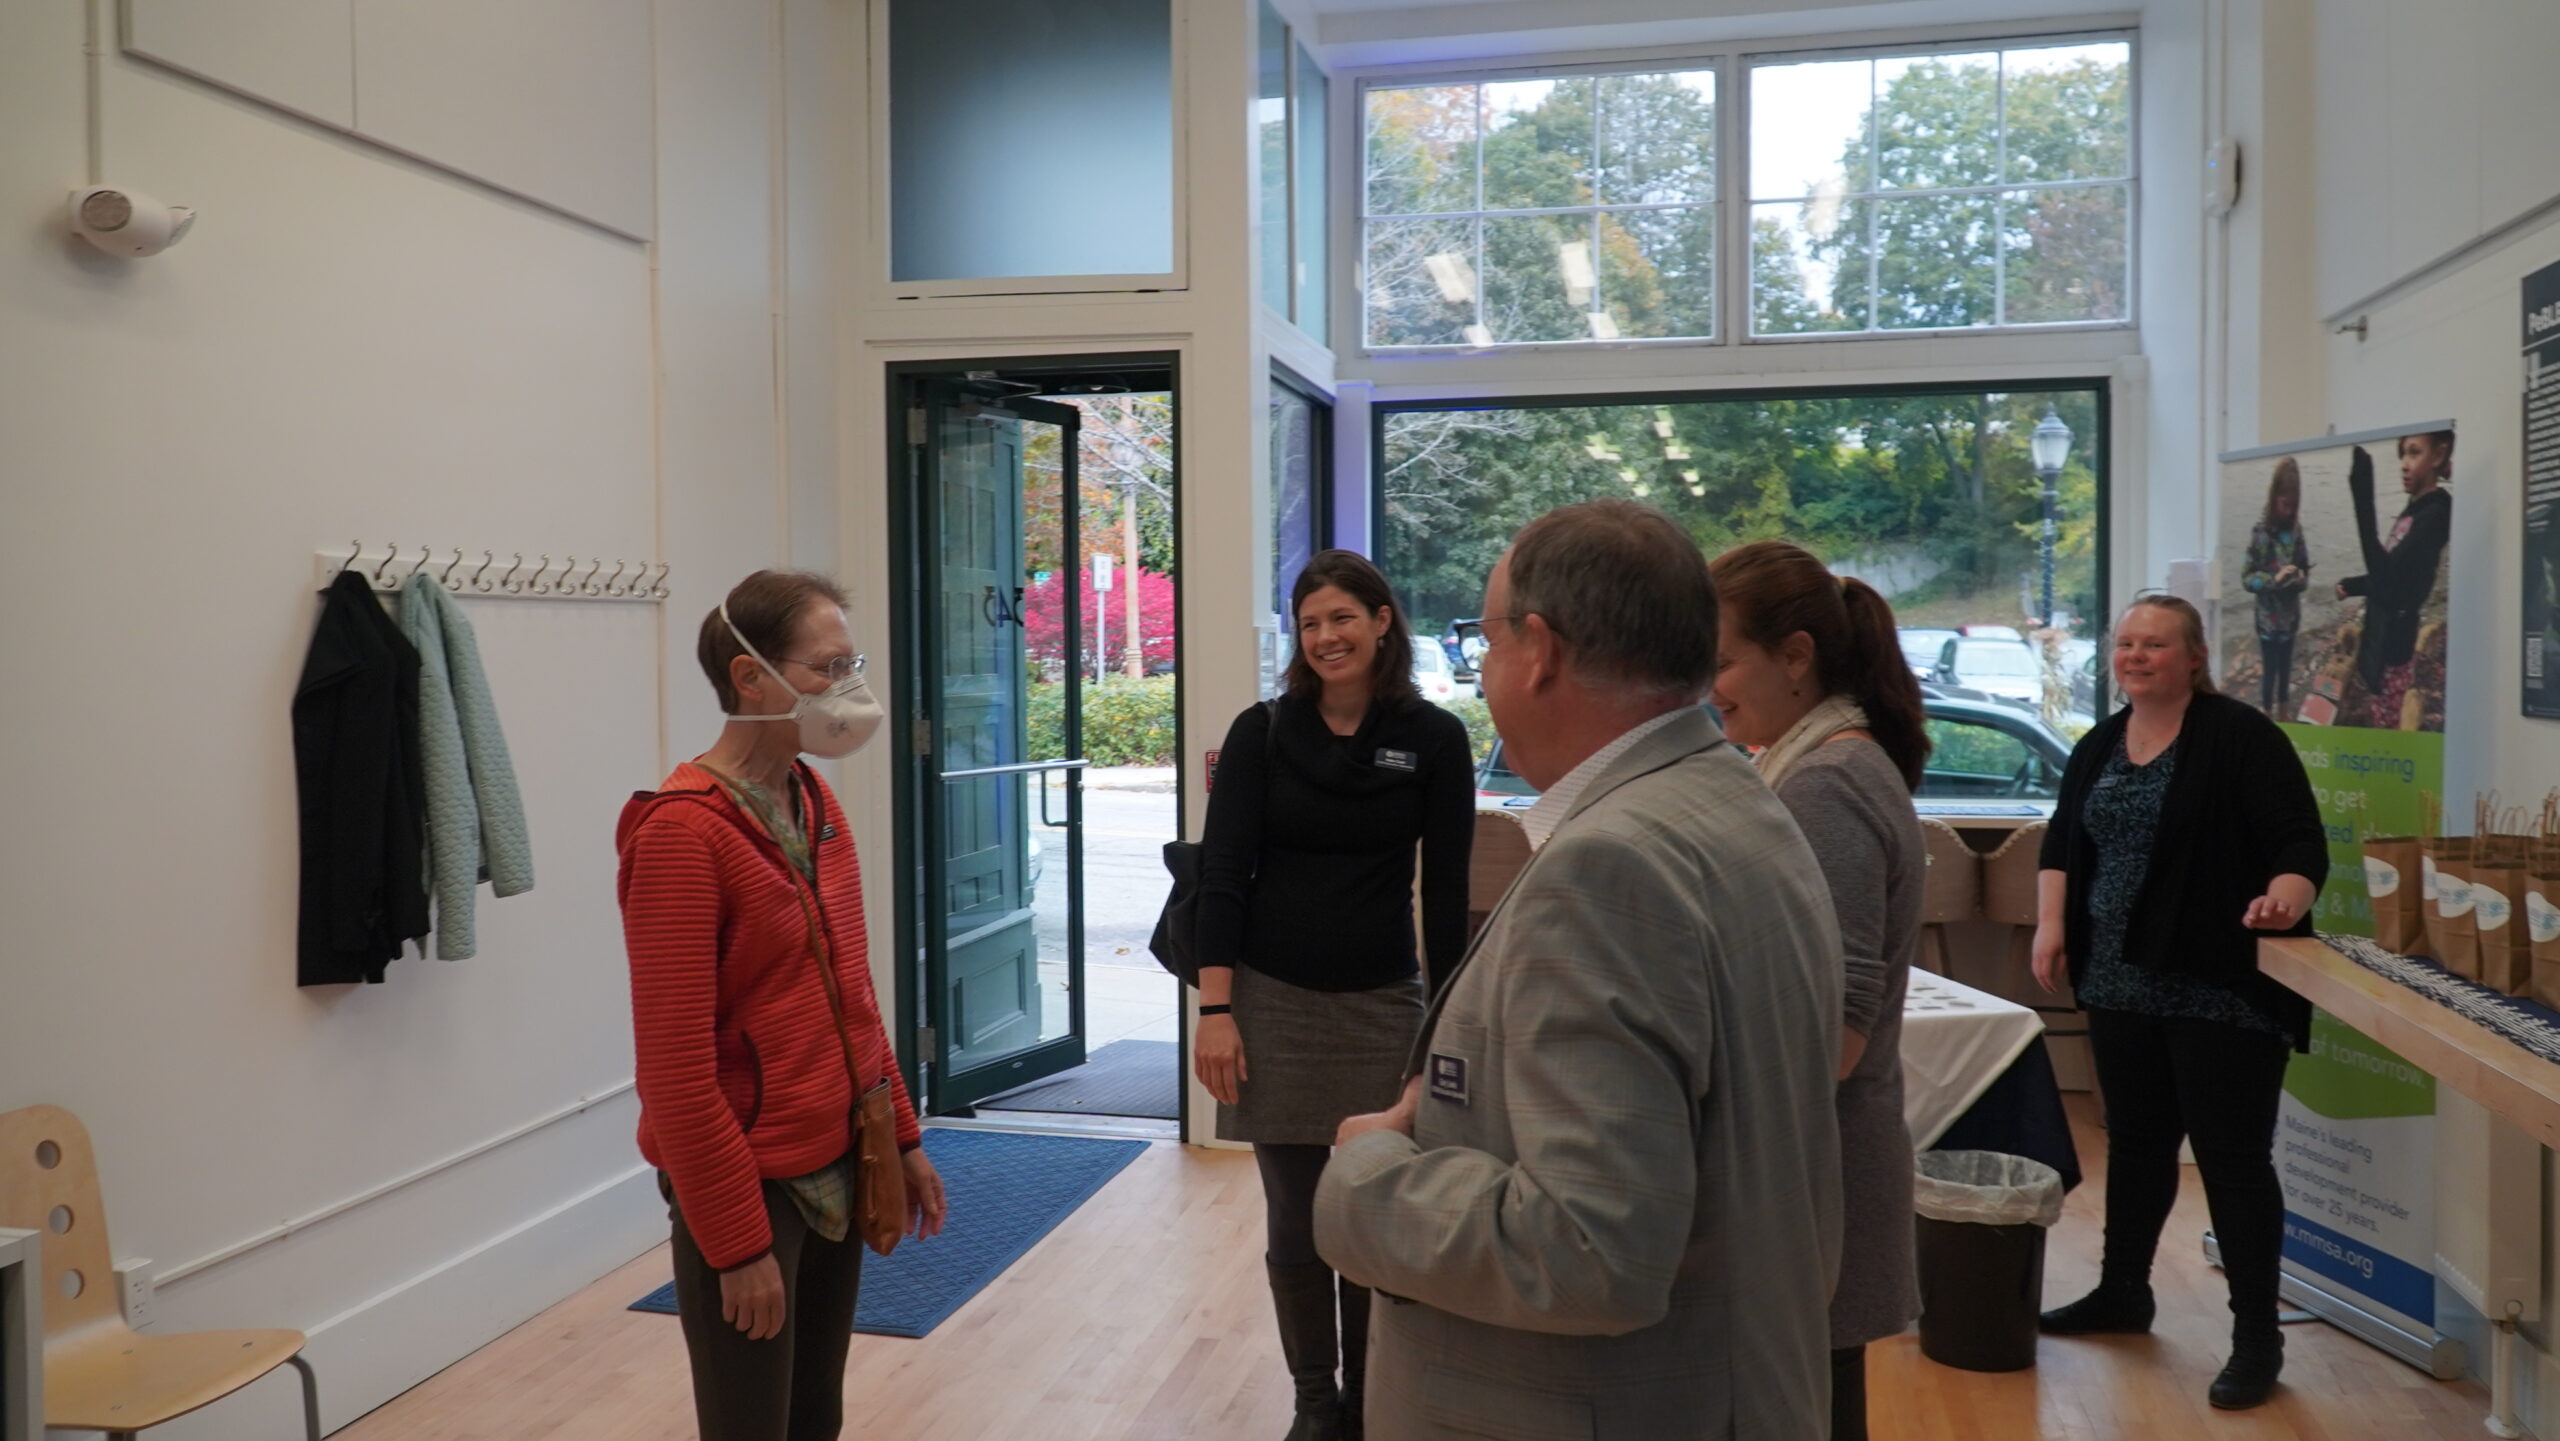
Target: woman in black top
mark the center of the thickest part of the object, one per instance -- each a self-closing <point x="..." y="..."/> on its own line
<point x="2400" y="574"/>
<point x="2185" y="830"/>
<point x="1310" y="997"/>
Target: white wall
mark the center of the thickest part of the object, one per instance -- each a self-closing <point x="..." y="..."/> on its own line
<point x="2336" y="206"/>
<point x="354" y="345"/>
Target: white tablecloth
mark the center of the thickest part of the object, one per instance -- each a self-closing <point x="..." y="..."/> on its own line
<point x="1955" y="1042"/>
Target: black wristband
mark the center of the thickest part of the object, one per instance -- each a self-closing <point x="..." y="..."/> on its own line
<point x="1215" y="1010"/>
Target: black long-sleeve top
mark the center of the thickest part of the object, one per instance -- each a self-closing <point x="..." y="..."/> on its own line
<point x="2239" y="812"/>
<point x="1307" y="866"/>
<point x="2397" y="579"/>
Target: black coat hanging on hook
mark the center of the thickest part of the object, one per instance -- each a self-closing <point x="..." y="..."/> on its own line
<point x="361" y="790"/>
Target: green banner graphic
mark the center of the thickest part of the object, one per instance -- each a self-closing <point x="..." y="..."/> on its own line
<point x="2368" y="783"/>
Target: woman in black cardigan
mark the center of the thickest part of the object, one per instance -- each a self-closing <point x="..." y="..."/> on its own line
<point x="1309" y="989"/>
<point x="2186" y="829"/>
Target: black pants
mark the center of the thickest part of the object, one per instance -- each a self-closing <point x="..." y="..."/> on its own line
<point x="2275" y="678"/>
<point x="2217" y="1086"/>
<point x="1289" y="1177"/>
<point x="1849" y="1394"/>
<point x="790" y="1388"/>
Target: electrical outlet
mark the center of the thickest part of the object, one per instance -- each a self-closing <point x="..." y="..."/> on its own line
<point x="134" y="1293"/>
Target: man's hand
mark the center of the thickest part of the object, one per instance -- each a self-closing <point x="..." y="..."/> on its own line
<point x="1399" y="1119"/>
<point x="751" y="1298"/>
<point x="926" y="1203"/>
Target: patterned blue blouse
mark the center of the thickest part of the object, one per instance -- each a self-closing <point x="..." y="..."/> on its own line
<point x="2122" y="818"/>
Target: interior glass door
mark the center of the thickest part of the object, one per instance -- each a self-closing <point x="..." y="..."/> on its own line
<point x="990" y="781"/>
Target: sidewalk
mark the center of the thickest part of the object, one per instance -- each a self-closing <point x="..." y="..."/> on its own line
<point x="1154" y="780"/>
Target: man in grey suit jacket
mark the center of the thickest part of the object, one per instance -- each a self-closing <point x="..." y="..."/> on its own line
<point x="1608" y="1205"/>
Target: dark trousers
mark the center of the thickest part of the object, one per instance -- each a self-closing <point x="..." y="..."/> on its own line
<point x="2275" y="678"/>
<point x="2217" y="1086"/>
<point x="790" y="1388"/>
<point x="1849" y="1394"/>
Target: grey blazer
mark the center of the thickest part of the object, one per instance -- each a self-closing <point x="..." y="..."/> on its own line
<point x="1619" y="1214"/>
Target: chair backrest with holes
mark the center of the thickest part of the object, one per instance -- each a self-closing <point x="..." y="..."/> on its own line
<point x="49" y="1185"/>
<point x="2009" y="877"/>
<point x="1954" y="889"/>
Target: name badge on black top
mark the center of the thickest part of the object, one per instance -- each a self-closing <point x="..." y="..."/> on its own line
<point x="1448" y="1078"/>
<point x="1398" y="761"/>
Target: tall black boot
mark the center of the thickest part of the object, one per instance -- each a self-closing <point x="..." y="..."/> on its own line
<point x="1303" y="1297"/>
<point x="2257" y="1358"/>
<point x="1355" y="1360"/>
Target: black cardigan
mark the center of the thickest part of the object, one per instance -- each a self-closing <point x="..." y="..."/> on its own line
<point x="2397" y="579"/>
<point x="2238" y="814"/>
<point x="360" y="791"/>
<point x="1307" y="859"/>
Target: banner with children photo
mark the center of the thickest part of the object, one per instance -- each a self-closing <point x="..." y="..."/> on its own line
<point x="2332" y="620"/>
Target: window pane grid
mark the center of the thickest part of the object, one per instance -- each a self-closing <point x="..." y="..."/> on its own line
<point x="1981" y="187"/>
<point x="1637" y="267"/>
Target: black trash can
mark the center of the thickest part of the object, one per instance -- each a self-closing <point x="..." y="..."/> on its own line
<point x="1982" y="1218"/>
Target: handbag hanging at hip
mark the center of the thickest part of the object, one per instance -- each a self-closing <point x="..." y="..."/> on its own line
<point x="880" y="1182"/>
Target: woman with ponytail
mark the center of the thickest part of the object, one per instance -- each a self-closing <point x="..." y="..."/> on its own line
<point x="1809" y="669"/>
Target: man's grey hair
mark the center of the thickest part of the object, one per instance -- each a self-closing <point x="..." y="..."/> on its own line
<point x="1626" y="590"/>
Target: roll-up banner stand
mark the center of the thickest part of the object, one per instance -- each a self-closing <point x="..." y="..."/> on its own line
<point x="2332" y="611"/>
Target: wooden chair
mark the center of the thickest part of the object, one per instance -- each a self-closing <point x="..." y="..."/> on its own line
<point x="99" y="1373"/>
<point x="1952" y="892"/>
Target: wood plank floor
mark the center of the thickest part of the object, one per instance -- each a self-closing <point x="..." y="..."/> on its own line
<point x="1145" y="1316"/>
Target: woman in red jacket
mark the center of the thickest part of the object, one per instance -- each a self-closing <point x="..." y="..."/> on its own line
<point x="756" y="1025"/>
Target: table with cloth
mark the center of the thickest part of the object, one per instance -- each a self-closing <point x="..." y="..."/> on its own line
<point x="1976" y="1076"/>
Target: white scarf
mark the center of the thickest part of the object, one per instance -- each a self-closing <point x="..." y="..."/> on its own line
<point x="1832" y="715"/>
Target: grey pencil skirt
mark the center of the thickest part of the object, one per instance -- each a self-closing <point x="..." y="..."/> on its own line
<point x="1315" y="1057"/>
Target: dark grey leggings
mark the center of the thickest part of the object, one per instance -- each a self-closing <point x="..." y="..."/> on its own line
<point x="1289" y="1177"/>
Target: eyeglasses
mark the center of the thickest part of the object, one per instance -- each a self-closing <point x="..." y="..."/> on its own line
<point x="1471" y="632"/>
<point x="837" y="671"/>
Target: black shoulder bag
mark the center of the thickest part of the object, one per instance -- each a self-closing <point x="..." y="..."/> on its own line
<point x="1176" y="943"/>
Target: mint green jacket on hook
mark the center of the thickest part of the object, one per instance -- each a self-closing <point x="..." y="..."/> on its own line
<point x="475" y="815"/>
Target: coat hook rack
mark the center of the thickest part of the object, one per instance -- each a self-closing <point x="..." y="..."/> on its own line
<point x="389" y="571"/>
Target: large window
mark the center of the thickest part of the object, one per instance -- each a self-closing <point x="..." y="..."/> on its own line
<point x="1942" y="191"/>
<point x="1568" y="208"/>
<point x="1949" y="189"/>
<point x="972" y="89"/>
<point x="1301" y="438"/>
<point x="1289" y="111"/>
<point x="1932" y="497"/>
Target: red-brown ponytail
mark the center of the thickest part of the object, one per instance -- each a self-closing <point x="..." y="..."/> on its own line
<point x="1774" y="589"/>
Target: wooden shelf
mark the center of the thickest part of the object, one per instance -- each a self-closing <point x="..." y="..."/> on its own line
<point x="2499" y="1074"/>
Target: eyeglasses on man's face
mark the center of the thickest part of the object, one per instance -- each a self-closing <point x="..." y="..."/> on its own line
<point x="837" y="670"/>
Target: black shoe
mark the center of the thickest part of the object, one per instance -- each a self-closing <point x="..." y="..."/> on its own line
<point x="2109" y="1310"/>
<point x="2251" y="1375"/>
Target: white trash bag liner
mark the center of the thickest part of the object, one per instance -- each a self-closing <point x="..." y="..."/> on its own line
<point x="1986" y="1188"/>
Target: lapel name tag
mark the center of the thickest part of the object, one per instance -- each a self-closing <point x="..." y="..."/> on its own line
<point x="1399" y="761"/>
<point x="1449" y="1078"/>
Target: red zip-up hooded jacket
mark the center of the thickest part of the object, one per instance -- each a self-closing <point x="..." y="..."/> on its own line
<point x="741" y="1078"/>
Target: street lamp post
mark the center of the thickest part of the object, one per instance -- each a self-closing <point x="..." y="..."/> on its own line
<point x="2051" y="446"/>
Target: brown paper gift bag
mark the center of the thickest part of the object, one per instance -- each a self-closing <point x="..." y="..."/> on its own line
<point x="2498" y="877"/>
<point x="2452" y="936"/>
<point x="2394" y="878"/>
<point x="2542" y="932"/>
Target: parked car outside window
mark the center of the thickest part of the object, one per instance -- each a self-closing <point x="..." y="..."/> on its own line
<point x="1920" y="647"/>
<point x="2008" y="669"/>
<point x="1982" y="752"/>
<point x="1431" y="675"/>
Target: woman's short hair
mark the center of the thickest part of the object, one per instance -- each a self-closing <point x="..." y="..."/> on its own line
<point x="767" y="608"/>
<point x="2190" y="624"/>
<point x="1351" y="573"/>
<point x="1627" y="591"/>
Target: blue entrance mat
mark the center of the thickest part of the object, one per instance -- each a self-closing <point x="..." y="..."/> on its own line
<point x="1007" y="1190"/>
